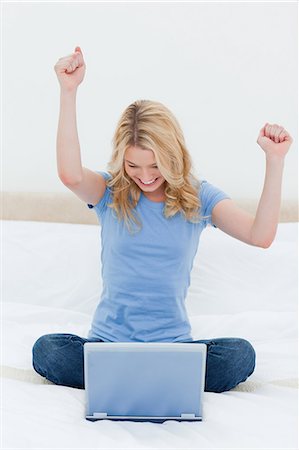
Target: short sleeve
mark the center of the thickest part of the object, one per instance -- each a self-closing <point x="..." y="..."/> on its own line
<point x="101" y="206"/>
<point x="210" y="195"/>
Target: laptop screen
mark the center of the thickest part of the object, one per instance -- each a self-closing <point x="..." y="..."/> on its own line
<point x="144" y="379"/>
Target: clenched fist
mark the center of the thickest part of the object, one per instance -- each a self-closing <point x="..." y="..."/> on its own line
<point x="274" y="140"/>
<point x="70" y="70"/>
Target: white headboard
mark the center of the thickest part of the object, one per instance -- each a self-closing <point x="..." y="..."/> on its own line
<point x="67" y="208"/>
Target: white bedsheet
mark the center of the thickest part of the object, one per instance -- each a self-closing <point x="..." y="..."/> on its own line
<point x="51" y="284"/>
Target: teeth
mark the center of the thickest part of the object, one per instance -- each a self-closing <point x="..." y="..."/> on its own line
<point x="149" y="182"/>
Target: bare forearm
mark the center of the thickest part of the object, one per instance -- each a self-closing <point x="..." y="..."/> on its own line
<point x="267" y="216"/>
<point x="69" y="164"/>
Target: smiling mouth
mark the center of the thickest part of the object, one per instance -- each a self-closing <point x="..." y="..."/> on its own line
<point x="148" y="184"/>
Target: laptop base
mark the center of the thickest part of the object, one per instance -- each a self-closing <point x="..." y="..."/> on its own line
<point x="145" y="419"/>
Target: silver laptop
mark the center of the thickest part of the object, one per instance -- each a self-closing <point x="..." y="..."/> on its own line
<point x="144" y="381"/>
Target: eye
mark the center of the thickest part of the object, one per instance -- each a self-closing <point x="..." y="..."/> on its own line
<point x="154" y="167"/>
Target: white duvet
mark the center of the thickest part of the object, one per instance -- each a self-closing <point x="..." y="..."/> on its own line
<point x="51" y="284"/>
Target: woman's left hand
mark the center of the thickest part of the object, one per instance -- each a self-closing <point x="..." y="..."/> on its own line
<point x="274" y="140"/>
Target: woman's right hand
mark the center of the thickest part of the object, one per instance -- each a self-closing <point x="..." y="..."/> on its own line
<point x="70" y="70"/>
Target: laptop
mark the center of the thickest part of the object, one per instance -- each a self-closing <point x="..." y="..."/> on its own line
<point x="144" y="381"/>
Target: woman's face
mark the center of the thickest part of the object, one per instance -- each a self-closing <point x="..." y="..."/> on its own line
<point x="141" y="166"/>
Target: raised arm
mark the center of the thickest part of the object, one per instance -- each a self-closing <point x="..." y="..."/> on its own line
<point x="259" y="230"/>
<point x="89" y="186"/>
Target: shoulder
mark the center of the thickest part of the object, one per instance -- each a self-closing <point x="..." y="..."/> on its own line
<point x="209" y="191"/>
<point x="104" y="174"/>
<point x="210" y="195"/>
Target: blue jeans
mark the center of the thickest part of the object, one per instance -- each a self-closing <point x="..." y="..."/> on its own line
<point x="59" y="358"/>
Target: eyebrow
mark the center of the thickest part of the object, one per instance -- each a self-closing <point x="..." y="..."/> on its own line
<point x="154" y="164"/>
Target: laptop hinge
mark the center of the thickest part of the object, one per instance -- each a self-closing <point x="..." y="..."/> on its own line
<point x="187" y="416"/>
<point x="100" y="415"/>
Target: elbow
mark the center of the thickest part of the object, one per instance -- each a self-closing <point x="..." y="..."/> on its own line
<point x="69" y="180"/>
<point x="264" y="244"/>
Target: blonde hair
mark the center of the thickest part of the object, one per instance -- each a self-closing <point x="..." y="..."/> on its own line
<point x="150" y="125"/>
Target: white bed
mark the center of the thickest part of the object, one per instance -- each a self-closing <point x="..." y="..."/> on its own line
<point x="51" y="284"/>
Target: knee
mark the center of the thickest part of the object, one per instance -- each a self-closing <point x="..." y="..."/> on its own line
<point x="59" y="358"/>
<point x="42" y="345"/>
<point x="44" y="352"/>
<point x="247" y="357"/>
<point x="40" y="350"/>
<point x="230" y="362"/>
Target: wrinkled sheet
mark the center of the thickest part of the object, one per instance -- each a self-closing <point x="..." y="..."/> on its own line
<point x="51" y="284"/>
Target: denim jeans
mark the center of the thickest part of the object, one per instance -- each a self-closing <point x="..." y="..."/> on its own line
<point x="59" y="358"/>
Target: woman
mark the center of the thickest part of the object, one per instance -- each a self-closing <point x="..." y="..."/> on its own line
<point x="152" y="210"/>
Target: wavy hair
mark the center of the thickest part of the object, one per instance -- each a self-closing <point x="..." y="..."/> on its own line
<point x="151" y="125"/>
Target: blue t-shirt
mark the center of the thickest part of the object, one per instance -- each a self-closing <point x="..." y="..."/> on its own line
<point x="146" y="275"/>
